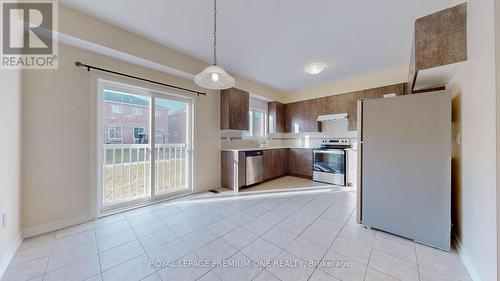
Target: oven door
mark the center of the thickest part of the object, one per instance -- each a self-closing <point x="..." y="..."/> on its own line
<point x="329" y="165"/>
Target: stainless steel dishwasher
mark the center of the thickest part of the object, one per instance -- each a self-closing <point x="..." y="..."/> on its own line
<point x="254" y="169"/>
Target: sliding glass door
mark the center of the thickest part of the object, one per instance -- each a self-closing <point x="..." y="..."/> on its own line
<point x="145" y="139"/>
<point x="171" y="137"/>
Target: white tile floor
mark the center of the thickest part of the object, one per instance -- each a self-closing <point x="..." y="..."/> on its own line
<point x="281" y="236"/>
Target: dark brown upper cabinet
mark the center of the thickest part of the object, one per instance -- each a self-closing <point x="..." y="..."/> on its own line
<point x="234" y="106"/>
<point x="440" y="43"/>
<point x="276" y="117"/>
<point x="302" y="116"/>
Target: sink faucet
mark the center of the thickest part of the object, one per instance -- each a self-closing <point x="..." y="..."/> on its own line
<point x="262" y="142"/>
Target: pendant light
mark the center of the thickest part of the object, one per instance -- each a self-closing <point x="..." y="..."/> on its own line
<point x="214" y="77"/>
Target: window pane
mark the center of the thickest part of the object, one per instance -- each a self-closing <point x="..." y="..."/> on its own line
<point x="171" y="128"/>
<point x="258" y="123"/>
<point x="137" y="111"/>
<point x="139" y="133"/>
<point x="170" y="124"/>
<point x="130" y="128"/>
<point x="126" y="161"/>
<point x="114" y="132"/>
<point x="272" y="128"/>
<point x="250" y="119"/>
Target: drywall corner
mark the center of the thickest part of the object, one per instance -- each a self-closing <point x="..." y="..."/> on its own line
<point x="10" y="166"/>
<point x="475" y="167"/>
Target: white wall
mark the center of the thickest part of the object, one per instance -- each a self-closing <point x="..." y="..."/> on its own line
<point x="370" y="80"/>
<point x="474" y="159"/>
<point x="88" y="28"/>
<point x="258" y="104"/>
<point x="57" y="162"/>
<point x="497" y="60"/>
<point x="10" y="151"/>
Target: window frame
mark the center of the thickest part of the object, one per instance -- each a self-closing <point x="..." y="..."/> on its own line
<point x="137" y="111"/>
<point x="100" y="82"/>
<point x="117" y="106"/>
<point x="133" y="132"/>
<point x="116" y="126"/>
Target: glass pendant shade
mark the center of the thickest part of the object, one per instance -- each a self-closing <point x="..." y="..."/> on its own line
<point x="214" y="77"/>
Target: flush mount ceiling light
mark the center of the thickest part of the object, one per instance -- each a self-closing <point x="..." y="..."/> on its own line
<point x="315" y="68"/>
<point x="214" y="77"/>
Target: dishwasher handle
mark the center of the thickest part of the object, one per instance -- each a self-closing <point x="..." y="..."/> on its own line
<point x="254" y="153"/>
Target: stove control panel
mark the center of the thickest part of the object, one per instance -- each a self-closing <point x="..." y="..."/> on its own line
<point x="336" y="142"/>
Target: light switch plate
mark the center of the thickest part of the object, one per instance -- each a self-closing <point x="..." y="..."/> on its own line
<point x="4" y="219"/>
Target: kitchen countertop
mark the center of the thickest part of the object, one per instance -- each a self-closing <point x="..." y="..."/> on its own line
<point x="262" y="148"/>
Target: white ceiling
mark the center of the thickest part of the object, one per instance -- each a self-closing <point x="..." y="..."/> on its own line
<point x="270" y="41"/>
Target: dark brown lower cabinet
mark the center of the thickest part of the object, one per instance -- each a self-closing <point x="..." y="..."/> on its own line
<point x="267" y="162"/>
<point x="282" y="162"/>
<point x="275" y="163"/>
<point x="300" y="162"/>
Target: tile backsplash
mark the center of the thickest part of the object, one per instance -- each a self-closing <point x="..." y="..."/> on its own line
<point x="233" y="139"/>
<point x="331" y="129"/>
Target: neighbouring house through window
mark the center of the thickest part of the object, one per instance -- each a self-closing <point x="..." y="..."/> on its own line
<point x="139" y="133"/>
<point x="136" y="111"/>
<point x="118" y="109"/>
<point x="114" y="132"/>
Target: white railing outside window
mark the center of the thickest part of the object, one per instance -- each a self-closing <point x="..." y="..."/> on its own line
<point x="126" y="171"/>
<point x="170" y="170"/>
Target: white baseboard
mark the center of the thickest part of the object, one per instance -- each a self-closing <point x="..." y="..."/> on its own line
<point x="46" y="228"/>
<point x="466" y="260"/>
<point x="9" y="255"/>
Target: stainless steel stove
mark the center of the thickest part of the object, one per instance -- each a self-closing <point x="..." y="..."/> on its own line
<point x="330" y="161"/>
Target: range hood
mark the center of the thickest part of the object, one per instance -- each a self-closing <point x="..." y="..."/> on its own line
<point x="332" y="117"/>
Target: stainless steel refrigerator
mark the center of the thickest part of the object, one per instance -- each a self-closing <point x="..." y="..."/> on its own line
<point x="404" y="177"/>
